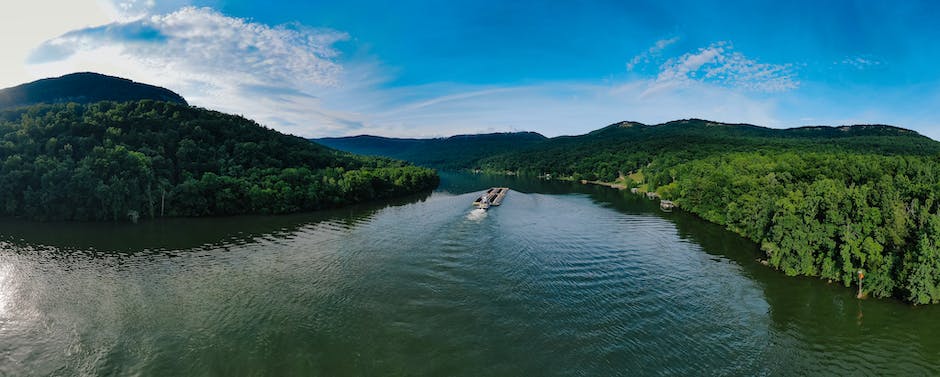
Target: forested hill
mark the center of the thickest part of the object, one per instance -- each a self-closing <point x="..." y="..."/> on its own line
<point x="455" y="152"/>
<point x="605" y="153"/>
<point x="85" y="87"/>
<point x="146" y="159"/>
<point x="820" y="201"/>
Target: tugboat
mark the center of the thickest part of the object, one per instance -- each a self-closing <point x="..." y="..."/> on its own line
<point x="483" y="203"/>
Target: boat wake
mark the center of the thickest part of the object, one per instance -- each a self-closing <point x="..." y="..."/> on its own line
<point x="476" y="214"/>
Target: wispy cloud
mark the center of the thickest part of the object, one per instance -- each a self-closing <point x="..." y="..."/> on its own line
<point x="226" y="63"/>
<point x="133" y="9"/>
<point x="859" y="62"/>
<point x="556" y="108"/>
<point x="203" y="42"/>
<point x="290" y="77"/>
<point x="293" y="78"/>
<point x="130" y="10"/>
<point x="650" y="53"/>
<point x="719" y="64"/>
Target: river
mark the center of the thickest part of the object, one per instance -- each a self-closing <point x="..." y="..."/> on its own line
<point x="561" y="280"/>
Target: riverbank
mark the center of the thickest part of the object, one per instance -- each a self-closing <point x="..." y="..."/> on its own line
<point x="649" y="291"/>
<point x="772" y="213"/>
<point x="617" y="186"/>
<point x="761" y="259"/>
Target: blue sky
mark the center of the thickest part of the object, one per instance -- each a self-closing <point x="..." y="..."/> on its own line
<point x="409" y="68"/>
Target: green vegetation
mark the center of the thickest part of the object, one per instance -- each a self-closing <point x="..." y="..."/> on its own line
<point x="824" y="214"/>
<point x="84" y="88"/>
<point x="114" y="161"/>
<point x="455" y="152"/>
<point x="821" y="201"/>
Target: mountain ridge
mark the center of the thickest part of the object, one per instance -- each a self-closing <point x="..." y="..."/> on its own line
<point x="133" y="155"/>
<point x="458" y="151"/>
<point x="83" y="88"/>
<point x="449" y="152"/>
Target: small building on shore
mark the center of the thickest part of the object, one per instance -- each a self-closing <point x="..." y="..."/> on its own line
<point x="667" y="205"/>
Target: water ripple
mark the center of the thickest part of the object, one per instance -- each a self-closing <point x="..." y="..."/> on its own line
<point x="543" y="285"/>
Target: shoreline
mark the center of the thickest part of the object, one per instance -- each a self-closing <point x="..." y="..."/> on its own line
<point x="607" y="184"/>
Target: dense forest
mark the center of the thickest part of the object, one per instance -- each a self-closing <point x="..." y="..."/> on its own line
<point x="455" y="152"/>
<point x="820" y="201"/>
<point x="146" y="159"/>
<point x="84" y="88"/>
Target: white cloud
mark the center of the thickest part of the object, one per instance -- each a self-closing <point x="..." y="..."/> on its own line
<point x="652" y="52"/>
<point x="202" y="43"/>
<point x="292" y="78"/>
<point x="231" y="64"/>
<point x="126" y="10"/>
<point x="551" y="108"/>
<point x="130" y="10"/>
<point x="860" y="62"/>
<point x="720" y="64"/>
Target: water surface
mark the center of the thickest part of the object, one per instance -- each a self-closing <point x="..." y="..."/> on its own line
<point x="561" y="279"/>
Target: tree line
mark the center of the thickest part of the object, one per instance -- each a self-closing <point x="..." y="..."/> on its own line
<point x="825" y="203"/>
<point x="146" y="159"/>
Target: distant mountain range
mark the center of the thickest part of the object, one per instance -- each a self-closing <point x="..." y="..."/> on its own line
<point x="819" y="201"/>
<point x="83" y="88"/>
<point x="453" y="152"/>
<point x="536" y="153"/>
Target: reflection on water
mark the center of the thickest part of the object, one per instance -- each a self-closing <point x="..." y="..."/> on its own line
<point x="562" y="279"/>
<point x="181" y="233"/>
<point x="6" y="282"/>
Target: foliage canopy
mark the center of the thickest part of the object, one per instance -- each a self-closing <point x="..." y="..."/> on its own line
<point x="821" y="201"/>
<point x="113" y="161"/>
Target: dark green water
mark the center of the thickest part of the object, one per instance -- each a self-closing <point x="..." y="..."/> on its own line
<point x="562" y="279"/>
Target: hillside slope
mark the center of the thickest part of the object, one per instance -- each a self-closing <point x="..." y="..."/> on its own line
<point x="118" y="161"/>
<point x="820" y="201"/>
<point x="455" y="152"/>
<point x="85" y="87"/>
<point x="627" y="146"/>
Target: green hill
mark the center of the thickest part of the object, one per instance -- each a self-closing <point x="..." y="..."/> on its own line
<point x="118" y="161"/>
<point x="85" y="87"/>
<point x="627" y="146"/>
<point x="455" y="152"/>
<point x="821" y="201"/>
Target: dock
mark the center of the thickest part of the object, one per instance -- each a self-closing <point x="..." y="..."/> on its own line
<point x="492" y="197"/>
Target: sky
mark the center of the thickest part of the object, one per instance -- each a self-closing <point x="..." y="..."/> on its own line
<point x="440" y="68"/>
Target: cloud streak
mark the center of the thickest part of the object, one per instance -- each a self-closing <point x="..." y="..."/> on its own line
<point x="651" y="53"/>
<point x="719" y="64"/>
<point x="216" y="61"/>
<point x="859" y="62"/>
<point x="203" y="42"/>
<point x="557" y="108"/>
<point x="290" y="77"/>
<point x="294" y="78"/>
